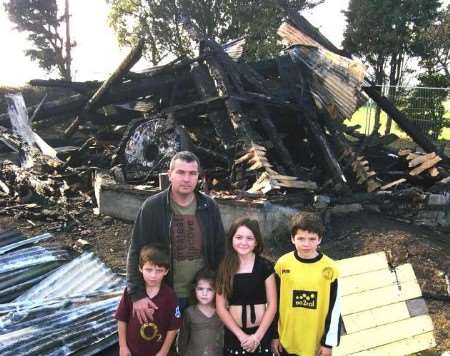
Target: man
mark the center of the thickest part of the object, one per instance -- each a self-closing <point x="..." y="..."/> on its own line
<point x="185" y="222"/>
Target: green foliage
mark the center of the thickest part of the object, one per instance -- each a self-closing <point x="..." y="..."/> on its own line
<point x="41" y="20"/>
<point x="383" y="32"/>
<point x="160" y="22"/>
<point x="433" y="45"/>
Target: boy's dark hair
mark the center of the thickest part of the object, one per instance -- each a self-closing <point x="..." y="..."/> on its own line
<point x="154" y="254"/>
<point x="186" y="156"/>
<point x="307" y="221"/>
<point x="202" y="274"/>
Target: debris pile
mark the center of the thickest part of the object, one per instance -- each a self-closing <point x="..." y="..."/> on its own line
<point x="268" y="128"/>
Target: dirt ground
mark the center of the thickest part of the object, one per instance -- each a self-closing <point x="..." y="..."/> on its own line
<point x="351" y="235"/>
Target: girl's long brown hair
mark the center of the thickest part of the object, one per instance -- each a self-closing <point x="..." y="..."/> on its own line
<point x="230" y="263"/>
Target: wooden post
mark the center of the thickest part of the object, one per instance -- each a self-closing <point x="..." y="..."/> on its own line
<point x="206" y="89"/>
<point x="124" y="67"/>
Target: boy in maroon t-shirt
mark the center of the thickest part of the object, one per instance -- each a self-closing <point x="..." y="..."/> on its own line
<point x="156" y="337"/>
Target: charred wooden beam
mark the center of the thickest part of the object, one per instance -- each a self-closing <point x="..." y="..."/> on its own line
<point x="206" y="89"/>
<point x="195" y="108"/>
<point x="93" y="103"/>
<point x="270" y="129"/>
<point x="228" y="82"/>
<point x="38" y="107"/>
<point x="117" y="94"/>
<point x="403" y="122"/>
<point x="351" y="157"/>
<point x="79" y="87"/>
<point x="272" y="133"/>
<point x="240" y="122"/>
<point x="51" y="108"/>
<point x="258" y="98"/>
<point x="235" y="71"/>
<point x="310" y="118"/>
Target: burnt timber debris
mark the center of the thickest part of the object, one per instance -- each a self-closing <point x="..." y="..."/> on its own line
<point x="272" y="128"/>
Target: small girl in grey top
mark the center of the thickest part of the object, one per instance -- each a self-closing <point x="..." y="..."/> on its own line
<point x="201" y="333"/>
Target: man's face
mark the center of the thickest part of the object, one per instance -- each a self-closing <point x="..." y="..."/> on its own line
<point x="183" y="176"/>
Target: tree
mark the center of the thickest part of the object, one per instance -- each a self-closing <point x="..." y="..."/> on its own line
<point x="41" y="20"/>
<point x="160" y="21"/>
<point x="383" y="33"/>
<point x="433" y="46"/>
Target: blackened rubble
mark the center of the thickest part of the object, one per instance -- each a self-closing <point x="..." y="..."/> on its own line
<point x="270" y="128"/>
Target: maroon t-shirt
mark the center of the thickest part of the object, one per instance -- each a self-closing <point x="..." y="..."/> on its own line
<point x="147" y="339"/>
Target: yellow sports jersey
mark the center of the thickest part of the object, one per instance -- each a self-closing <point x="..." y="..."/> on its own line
<point x="309" y="312"/>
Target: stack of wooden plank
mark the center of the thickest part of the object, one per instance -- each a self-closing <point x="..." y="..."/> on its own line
<point x="382" y="309"/>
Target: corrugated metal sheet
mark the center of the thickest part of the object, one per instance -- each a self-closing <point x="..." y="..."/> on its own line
<point x="291" y="35"/>
<point x="61" y="331"/>
<point x="31" y="256"/>
<point x="23" y="242"/>
<point x="20" y="267"/>
<point x="68" y="310"/>
<point x="85" y="274"/>
<point x="336" y="80"/>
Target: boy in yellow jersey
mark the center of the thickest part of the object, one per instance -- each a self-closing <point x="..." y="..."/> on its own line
<point x="309" y="308"/>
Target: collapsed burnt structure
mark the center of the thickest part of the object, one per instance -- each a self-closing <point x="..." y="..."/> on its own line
<point x="268" y="128"/>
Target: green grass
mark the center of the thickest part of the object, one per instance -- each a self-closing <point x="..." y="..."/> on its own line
<point x="365" y="117"/>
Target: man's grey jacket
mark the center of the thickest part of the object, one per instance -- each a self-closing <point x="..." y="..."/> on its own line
<point x="153" y="225"/>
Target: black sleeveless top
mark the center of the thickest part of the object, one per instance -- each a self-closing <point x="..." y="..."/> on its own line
<point x="250" y="289"/>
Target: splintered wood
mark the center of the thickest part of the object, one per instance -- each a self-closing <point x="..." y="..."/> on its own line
<point x="255" y="159"/>
<point x="382" y="309"/>
<point x="420" y="162"/>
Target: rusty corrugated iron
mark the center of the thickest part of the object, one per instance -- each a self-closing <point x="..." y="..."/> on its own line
<point x="336" y="80"/>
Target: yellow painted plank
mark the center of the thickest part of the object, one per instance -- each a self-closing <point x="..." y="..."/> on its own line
<point x="375" y="317"/>
<point x="382" y="335"/>
<point x="370" y="299"/>
<point x="362" y="264"/>
<point x="376" y="279"/>
<point x="403" y="347"/>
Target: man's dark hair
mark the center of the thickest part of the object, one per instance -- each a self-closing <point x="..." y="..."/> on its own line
<point x="186" y="156"/>
<point x="307" y="221"/>
<point x="154" y="254"/>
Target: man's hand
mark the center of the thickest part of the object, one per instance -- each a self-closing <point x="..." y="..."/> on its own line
<point x="277" y="349"/>
<point x="143" y="309"/>
<point x="324" y="351"/>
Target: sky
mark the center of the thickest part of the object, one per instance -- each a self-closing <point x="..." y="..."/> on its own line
<point x="97" y="54"/>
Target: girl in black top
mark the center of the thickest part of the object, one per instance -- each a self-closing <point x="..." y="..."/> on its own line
<point x="246" y="299"/>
